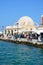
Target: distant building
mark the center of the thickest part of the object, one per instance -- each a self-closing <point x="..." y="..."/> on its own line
<point x="42" y="19"/>
<point x="40" y="27"/>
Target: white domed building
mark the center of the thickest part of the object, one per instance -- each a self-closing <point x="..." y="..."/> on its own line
<point x="23" y="24"/>
<point x="26" y="22"/>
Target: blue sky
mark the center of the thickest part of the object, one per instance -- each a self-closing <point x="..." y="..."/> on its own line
<point x="12" y="10"/>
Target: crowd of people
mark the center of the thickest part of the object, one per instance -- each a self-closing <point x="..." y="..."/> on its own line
<point x="29" y="36"/>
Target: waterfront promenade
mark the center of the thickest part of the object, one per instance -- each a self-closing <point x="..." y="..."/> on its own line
<point x="32" y="42"/>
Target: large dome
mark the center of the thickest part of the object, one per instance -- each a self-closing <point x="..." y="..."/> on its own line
<point x="24" y="21"/>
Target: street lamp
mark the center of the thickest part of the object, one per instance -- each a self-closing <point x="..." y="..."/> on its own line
<point x="2" y="28"/>
<point x="17" y="27"/>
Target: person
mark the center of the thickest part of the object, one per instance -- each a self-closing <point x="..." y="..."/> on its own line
<point x="39" y="38"/>
<point x="22" y="35"/>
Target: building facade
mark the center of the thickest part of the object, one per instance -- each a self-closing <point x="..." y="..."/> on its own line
<point x="25" y="23"/>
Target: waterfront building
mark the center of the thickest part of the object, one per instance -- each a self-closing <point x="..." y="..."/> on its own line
<point x="40" y="27"/>
<point x="24" y="24"/>
<point x="42" y="19"/>
<point x="10" y="30"/>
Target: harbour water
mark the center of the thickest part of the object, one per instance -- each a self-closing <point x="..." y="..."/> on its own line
<point x="20" y="54"/>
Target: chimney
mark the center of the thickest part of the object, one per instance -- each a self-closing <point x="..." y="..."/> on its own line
<point x="42" y="19"/>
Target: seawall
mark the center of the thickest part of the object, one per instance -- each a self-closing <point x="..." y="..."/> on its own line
<point x="23" y="42"/>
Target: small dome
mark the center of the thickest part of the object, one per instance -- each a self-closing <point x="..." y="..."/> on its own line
<point x="24" y="21"/>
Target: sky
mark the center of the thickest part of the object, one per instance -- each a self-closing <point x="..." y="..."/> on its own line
<point x="12" y="10"/>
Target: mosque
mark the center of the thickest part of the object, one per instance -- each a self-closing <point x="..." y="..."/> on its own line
<point x="24" y="24"/>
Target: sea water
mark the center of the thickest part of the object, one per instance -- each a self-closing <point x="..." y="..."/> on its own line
<point x="20" y="54"/>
